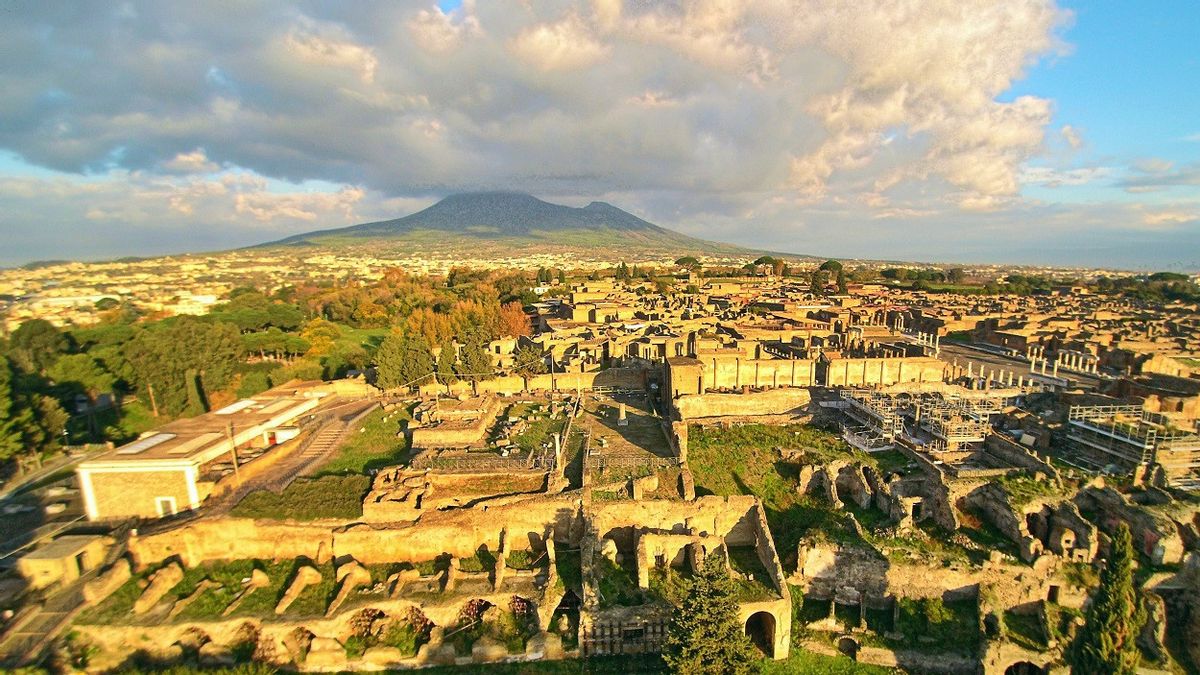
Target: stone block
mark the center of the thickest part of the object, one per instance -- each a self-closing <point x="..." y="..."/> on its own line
<point x="325" y="654"/>
<point x="160" y="583"/>
<point x="488" y="650"/>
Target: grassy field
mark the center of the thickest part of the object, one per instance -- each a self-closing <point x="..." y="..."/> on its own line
<point x="802" y="662"/>
<point x="373" y="445"/>
<point x="741" y="461"/>
<point x="308" y="499"/>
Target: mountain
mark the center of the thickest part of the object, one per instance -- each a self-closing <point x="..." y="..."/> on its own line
<point x="514" y="219"/>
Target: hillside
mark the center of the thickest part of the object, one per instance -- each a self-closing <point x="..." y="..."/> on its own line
<point x="514" y="219"/>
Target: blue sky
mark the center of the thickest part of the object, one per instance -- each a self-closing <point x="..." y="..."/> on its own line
<point x="1018" y="131"/>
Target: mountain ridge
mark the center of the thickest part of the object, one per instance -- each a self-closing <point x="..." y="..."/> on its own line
<point x="515" y="217"/>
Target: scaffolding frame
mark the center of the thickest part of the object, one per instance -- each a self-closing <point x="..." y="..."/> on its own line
<point x="1131" y="436"/>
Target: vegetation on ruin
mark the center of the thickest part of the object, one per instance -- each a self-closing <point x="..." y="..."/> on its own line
<point x="1024" y="630"/>
<point x="750" y="576"/>
<point x="705" y="634"/>
<point x="328" y="496"/>
<point x="934" y="625"/>
<point x="1107" y="643"/>
<point x="524" y="559"/>
<point x="742" y="460"/>
<point x="1023" y="489"/>
<point x="374" y="445"/>
<point x="570" y="568"/>
<point x="615" y="585"/>
<point x="803" y="662"/>
<point x="483" y="561"/>
<point x="669" y="584"/>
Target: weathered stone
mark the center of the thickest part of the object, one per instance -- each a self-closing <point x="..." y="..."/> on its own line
<point x="488" y="650"/>
<point x="325" y="654"/>
<point x="258" y="579"/>
<point x="352" y="575"/>
<point x="305" y="577"/>
<point x="213" y="654"/>
<point x="160" y="583"/>
<point x="383" y="656"/>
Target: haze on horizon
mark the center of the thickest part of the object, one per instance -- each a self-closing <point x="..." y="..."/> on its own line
<point x="1023" y="131"/>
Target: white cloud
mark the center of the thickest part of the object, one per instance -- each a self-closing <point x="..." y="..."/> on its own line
<point x="567" y="44"/>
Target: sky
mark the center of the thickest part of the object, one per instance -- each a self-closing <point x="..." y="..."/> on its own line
<point x="969" y="131"/>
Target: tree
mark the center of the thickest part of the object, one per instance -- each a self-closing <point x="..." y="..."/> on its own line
<point x="1107" y="643"/>
<point x="831" y="266"/>
<point x="161" y="356"/>
<point x="514" y="322"/>
<point x="705" y="635"/>
<point x="562" y="277"/>
<point x="816" y="281"/>
<point x="15" y="416"/>
<point x="528" y="359"/>
<point x="36" y="344"/>
<point x="474" y="361"/>
<point x="688" y="261"/>
<point x="447" y="361"/>
<point x="402" y="361"/>
<point x="955" y="275"/>
<point x="843" y="287"/>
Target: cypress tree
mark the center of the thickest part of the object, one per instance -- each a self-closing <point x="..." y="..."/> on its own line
<point x="1107" y="643"/>
<point x="705" y="635"/>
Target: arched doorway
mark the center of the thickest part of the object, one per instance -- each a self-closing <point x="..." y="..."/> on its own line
<point x="761" y="629"/>
<point x="848" y="646"/>
<point x="1024" y="668"/>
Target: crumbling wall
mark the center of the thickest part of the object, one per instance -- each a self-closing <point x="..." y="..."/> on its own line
<point x="1015" y="454"/>
<point x="1154" y="535"/>
<point x="769" y="402"/>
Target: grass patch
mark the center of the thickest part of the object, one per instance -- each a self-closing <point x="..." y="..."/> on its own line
<point x="1022" y="489"/>
<point x="374" y="445"/>
<point x="929" y="624"/>
<point x="616" y="585"/>
<point x="570" y="568"/>
<point x="802" y="662"/>
<point x="750" y="576"/>
<point x="1024" y="630"/>
<point x="308" y="499"/>
<point x="742" y="461"/>
<point x="483" y="561"/>
<point x="523" y="559"/>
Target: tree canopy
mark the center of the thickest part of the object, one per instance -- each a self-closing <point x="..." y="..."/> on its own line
<point x="1107" y="643"/>
<point x="705" y="635"/>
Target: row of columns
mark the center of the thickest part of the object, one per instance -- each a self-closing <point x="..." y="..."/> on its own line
<point x="996" y="376"/>
<point x="1077" y="361"/>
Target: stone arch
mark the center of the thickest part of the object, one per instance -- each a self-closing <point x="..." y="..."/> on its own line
<point x="1024" y="668"/>
<point x="848" y="646"/>
<point x="760" y="627"/>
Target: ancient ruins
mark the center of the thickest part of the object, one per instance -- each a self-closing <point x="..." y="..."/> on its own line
<point x="925" y="482"/>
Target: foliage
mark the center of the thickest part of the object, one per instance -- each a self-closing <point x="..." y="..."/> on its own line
<point x="403" y="361"/>
<point x="802" y="662"/>
<point x="513" y="321"/>
<point x="308" y="499"/>
<point x="36" y="344"/>
<point x="528" y="359"/>
<point x="474" y="362"/>
<point x="705" y="635"/>
<point x="1107" y="642"/>
<point x="156" y="359"/>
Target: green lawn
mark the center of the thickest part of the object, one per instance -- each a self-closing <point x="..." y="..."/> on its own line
<point x="374" y="445"/>
<point x="309" y="499"/>
<point x="801" y="662"/>
<point x="741" y="461"/>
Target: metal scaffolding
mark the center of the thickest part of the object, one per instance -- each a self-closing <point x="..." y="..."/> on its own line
<point x="1129" y="436"/>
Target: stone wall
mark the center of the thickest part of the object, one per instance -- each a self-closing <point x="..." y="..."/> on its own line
<point x="856" y="372"/>
<point x="769" y="402"/>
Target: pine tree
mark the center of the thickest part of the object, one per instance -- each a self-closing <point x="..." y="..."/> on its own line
<point x="705" y="634"/>
<point x="474" y="361"/>
<point x="843" y="287"/>
<point x="402" y="361"/>
<point x="15" y="416"/>
<point x="1107" y="643"/>
<point x="446" y="362"/>
<point x="528" y="359"/>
